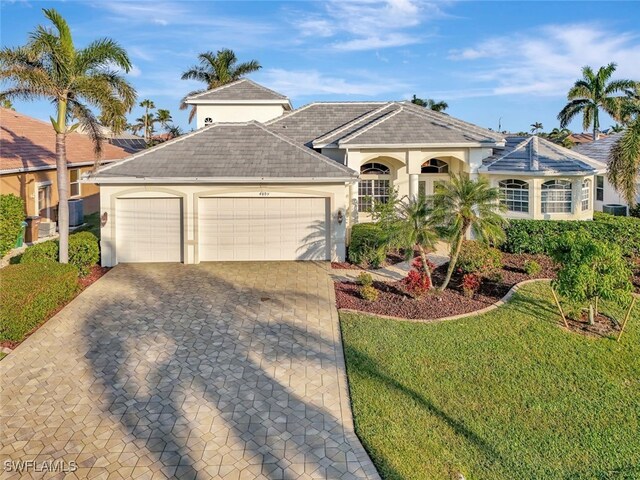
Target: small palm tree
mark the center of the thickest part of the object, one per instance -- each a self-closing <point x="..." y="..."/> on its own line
<point x="592" y="93"/>
<point x="174" y="130"/>
<point x="536" y="127"/>
<point x="415" y="229"/>
<point x="50" y="67"/>
<point x="216" y="70"/>
<point x="147" y="119"/>
<point x="163" y="117"/>
<point x="561" y="137"/>
<point x="7" y="104"/>
<point x="463" y="205"/>
<point x="430" y="103"/>
<point x="617" y="128"/>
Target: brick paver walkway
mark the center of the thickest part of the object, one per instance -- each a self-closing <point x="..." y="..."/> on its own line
<point x="230" y="370"/>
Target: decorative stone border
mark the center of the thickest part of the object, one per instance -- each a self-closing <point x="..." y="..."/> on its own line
<point x="494" y="306"/>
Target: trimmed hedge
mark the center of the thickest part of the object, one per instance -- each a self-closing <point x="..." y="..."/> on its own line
<point x="476" y="257"/>
<point x="30" y="293"/>
<point x="84" y="252"/>
<point x="543" y="236"/>
<point x="11" y="218"/>
<point x="368" y="246"/>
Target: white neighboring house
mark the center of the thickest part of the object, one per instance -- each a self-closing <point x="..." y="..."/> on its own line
<point x="599" y="151"/>
<point x="266" y="183"/>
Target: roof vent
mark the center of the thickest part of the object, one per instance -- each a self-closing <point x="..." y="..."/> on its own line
<point x="208" y="121"/>
<point x="533" y="154"/>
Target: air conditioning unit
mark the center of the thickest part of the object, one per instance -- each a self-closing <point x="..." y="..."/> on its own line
<point x="76" y="212"/>
<point x="46" y="229"/>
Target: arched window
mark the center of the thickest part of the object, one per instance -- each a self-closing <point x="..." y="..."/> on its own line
<point x="435" y="165"/>
<point x="375" y="179"/>
<point x="556" y="196"/>
<point x="515" y="195"/>
<point x="586" y="194"/>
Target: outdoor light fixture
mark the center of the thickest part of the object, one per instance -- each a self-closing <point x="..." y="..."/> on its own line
<point x="103" y="219"/>
<point x="340" y="217"/>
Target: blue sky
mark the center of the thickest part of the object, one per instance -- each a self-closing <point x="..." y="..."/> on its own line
<point x="512" y="61"/>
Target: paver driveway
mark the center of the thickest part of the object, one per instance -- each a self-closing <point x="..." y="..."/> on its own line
<point x="221" y="370"/>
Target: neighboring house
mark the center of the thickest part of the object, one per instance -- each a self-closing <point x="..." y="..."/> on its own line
<point x="582" y="138"/>
<point x="28" y="164"/>
<point x="125" y="140"/>
<point x="287" y="185"/>
<point x="599" y="151"/>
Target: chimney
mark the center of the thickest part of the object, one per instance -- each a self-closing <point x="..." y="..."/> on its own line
<point x="533" y="154"/>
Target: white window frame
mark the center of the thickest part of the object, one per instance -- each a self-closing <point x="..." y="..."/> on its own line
<point x="38" y="186"/>
<point x="556" y="196"/>
<point x="514" y="193"/>
<point x="76" y="183"/>
<point x="600" y="188"/>
<point x="585" y="194"/>
<point x="374" y="185"/>
<point x="441" y="166"/>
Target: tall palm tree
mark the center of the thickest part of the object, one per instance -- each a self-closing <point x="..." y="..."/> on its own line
<point x="415" y="228"/>
<point x="50" y="67"/>
<point x="463" y="205"/>
<point x="146" y="118"/>
<point x="163" y="117"/>
<point x="592" y="93"/>
<point x="430" y="103"/>
<point x="215" y="70"/>
<point x="536" y="127"/>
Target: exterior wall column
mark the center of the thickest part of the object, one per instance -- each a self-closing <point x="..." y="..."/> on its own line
<point x="576" y="204"/>
<point x="414" y="182"/>
<point x="352" y="214"/>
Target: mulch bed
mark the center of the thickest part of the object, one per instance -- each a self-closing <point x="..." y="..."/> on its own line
<point x="392" y="258"/>
<point x="603" y="326"/>
<point x="394" y="301"/>
<point x="96" y="272"/>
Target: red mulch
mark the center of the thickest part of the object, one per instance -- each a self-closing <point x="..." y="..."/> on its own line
<point x="96" y="272"/>
<point x="394" y="301"/>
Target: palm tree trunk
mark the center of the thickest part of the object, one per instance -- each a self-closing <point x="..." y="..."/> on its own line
<point x="423" y="256"/>
<point x="453" y="260"/>
<point x="63" y="183"/>
<point x="596" y="124"/>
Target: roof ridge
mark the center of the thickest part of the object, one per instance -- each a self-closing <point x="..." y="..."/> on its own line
<point x="366" y="128"/>
<point x="569" y="152"/>
<point x="352" y="122"/>
<point x="519" y="146"/>
<point x="288" y="114"/>
<point x="267" y="89"/>
<point x="236" y="82"/>
<point x="304" y="149"/>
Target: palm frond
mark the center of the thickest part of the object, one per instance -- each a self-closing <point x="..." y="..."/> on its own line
<point x="624" y="163"/>
<point x="102" y="54"/>
<point x="90" y="125"/>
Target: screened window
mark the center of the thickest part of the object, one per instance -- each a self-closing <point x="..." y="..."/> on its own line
<point x="435" y="165"/>
<point x="556" y="196"/>
<point x="515" y="195"/>
<point x="586" y="194"/>
<point x="373" y="185"/>
<point x="74" y="183"/>
<point x="600" y="188"/>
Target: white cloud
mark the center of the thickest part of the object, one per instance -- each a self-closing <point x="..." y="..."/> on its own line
<point x="546" y="61"/>
<point x="298" y="83"/>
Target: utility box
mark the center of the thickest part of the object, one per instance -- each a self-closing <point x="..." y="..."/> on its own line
<point x="615" y="209"/>
<point x="76" y="212"/>
<point x="32" y="231"/>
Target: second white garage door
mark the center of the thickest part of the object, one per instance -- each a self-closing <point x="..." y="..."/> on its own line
<point x="262" y="229"/>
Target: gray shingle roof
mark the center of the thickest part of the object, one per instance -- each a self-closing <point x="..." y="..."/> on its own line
<point x="402" y="125"/>
<point x="243" y="89"/>
<point x="598" y="150"/>
<point x="228" y="151"/>
<point x="533" y="155"/>
<point x="317" y="119"/>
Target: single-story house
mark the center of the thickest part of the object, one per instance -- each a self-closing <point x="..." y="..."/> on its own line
<point x="260" y="181"/>
<point x="599" y="151"/>
<point x="28" y="164"/>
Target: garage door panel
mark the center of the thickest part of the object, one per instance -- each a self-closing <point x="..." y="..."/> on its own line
<point x="262" y="229"/>
<point x="149" y="230"/>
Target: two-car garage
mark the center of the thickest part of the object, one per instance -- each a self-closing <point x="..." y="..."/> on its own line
<point x="225" y="229"/>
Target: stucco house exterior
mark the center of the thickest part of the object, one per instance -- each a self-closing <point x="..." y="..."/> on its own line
<point x="256" y="182"/>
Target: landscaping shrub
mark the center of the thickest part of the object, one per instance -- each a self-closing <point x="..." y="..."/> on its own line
<point x="84" y="252"/>
<point x="470" y="284"/>
<point x="30" y="293"/>
<point x="476" y="257"/>
<point x="417" y="282"/>
<point x="543" y="236"/>
<point x="369" y="293"/>
<point x="365" y="279"/>
<point x="11" y="218"/>
<point x="635" y="211"/>
<point x="531" y="267"/>
<point x="369" y="245"/>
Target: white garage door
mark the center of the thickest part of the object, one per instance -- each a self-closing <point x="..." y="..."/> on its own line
<point x="149" y="230"/>
<point x="262" y="229"/>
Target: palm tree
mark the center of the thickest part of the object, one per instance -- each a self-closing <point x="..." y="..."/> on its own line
<point x="8" y="104"/>
<point x="174" y="130"/>
<point x="50" y="67"/>
<point x="431" y="104"/>
<point x="216" y="70"/>
<point x="590" y="94"/>
<point x="414" y="228"/>
<point x="145" y="123"/>
<point x="163" y="117"/>
<point x="536" y="127"/>
<point x="146" y="118"/>
<point x="624" y="162"/>
<point x="462" y="205"/>
<point x="617" y="128"/>
<point x="561" y="137"/>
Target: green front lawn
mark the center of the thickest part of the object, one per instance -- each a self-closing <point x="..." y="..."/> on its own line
<point x="508" y="395"/>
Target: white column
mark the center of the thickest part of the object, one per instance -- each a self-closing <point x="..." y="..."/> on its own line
<point x="414" y="185"/>
<point x="353" y="204"/>
<point x="576" y="206"/>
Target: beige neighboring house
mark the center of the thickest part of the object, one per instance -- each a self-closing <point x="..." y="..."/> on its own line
<point x="28" y="164"/>
<point x="256" y="182"/>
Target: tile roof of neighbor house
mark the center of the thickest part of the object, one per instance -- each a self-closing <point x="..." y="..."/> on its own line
<point x="243" y="90"/>
<point x="580" y="138"/>
<point x="535" y="155"/>
<point x="30" y="144"/>
<point x="598" y="150"/>
<point x="227" y="152"/>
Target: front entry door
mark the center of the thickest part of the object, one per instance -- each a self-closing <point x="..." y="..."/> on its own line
<point x="429" y="183"/>
<point x="43" y="207"/>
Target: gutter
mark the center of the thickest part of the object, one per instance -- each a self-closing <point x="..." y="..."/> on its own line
<point x="53" y="167"/>
<point x="212" y="180"/>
